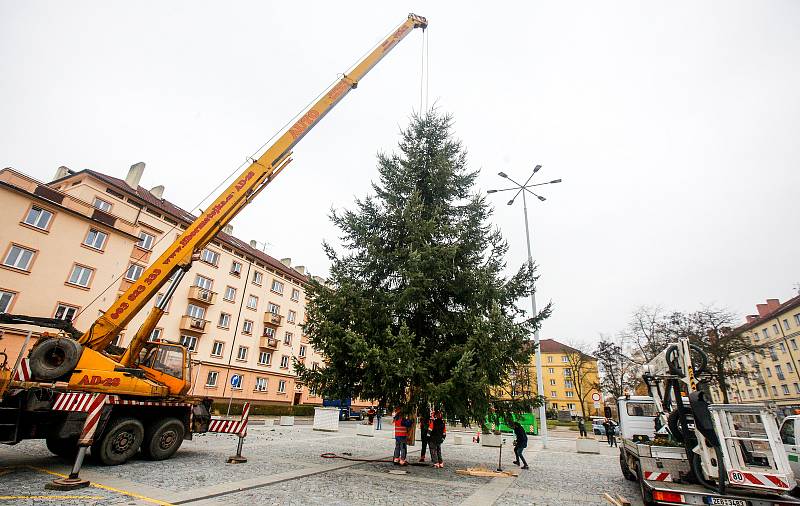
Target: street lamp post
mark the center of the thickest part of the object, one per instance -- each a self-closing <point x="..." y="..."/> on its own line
<point x="523" y="189"/>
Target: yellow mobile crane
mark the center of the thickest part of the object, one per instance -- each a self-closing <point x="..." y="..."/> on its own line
<point x="147" y="382"/>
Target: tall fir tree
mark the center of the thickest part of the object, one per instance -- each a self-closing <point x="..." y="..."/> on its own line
<point x="417" y="311"/>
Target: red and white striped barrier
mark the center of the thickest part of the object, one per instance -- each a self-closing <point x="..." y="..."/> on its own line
<point x="757" y="480"/>
<point x="23" y="372"/>
<point x="654" y="476"/>
<point x="238" y="427"/>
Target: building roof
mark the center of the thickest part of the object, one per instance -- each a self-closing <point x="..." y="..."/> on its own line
<point x="553" y="346"/>
<point x="184" y="216"/>
<point x="790" y="304"/>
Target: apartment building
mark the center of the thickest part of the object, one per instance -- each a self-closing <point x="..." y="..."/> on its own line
<point x="560" y="387"/>
<point x="71" y="246"/>
<point x="771" y="370"/>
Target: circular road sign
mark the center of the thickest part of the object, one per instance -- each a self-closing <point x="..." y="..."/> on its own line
<point x="236" y="380"/>
<point x="596" y="397"/>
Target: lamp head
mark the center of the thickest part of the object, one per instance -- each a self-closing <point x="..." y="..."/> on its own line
<point x="541" y="198"/>
<point x="491" y="191"/>
<point x="536" y="169"/>
<point x="502" y="174"/>
<point x="511" y="202"/>
<point x="555" y="181"/>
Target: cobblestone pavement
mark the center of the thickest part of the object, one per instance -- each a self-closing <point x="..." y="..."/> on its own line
<point x="285" y="468"/>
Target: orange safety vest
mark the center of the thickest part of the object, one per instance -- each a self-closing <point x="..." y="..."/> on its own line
<point x="399" y="429"/>
<point x="430" y="427"/>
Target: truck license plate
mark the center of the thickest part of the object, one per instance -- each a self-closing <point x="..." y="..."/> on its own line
<point x="725" y="502"/>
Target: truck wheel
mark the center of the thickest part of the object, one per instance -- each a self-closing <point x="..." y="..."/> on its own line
<point x="162" y="438"/>
<point x="626" y="471"/>
<point x="66" y="448"/>
<point x="54" y="358"/>
<point x="647" y="498"/>
<point x="119" y="441"/>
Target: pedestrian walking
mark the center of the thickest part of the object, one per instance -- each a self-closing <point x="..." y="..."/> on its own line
<point x="371" y="414"/>
<point x="424" y="422"/>
<point x="581" y="427"/>
<point x="378" y="415"/>
<point x="437" y="434"/>
<point x="401" y="425"/>
<point x="611" y="431"/>
<point x="520" y="443"/>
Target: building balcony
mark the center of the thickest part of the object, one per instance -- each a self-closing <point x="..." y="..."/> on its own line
<point x="272" y="319"/>
<point x="268" y="342"/>
<point x="202" y="295"/>
<point x="193" y="324"/>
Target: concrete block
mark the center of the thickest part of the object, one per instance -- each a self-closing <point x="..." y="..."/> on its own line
<point x="269" y="422"/>
<point x="326" y="419"/>
<point x="458" y="439"/>
<point x="587" y="445"/>
<point x="365" y="430"/>
<point x="286" y="421"/>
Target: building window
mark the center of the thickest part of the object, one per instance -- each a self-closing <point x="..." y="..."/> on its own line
<point x="765" y="332"/>
<point x="769" y="373"/>
<point x="196" y="312"/>
<point x="797" y="319"/>
<point x="553" y="394"/>
<point x="553" y="382"/>
<point x="775" y="329"/>
<point x="551" y="370"/>
<point x="282" y="387"/>
<point x="80" y="275"/>
<point x="65" y="312"/>
<point x="785" y="324"/>
<point x="750" y="392"/>
<point x="145" y="241"/>
<point x="782" y="347"/>
<point x="95" y="239"/>
<point x="277" y="286"/>
<point x="38" y="217"/>
<point x="224" y="320"/>
<point x="265" y="358"/>
<point x="247" y="327"/>
<point x="134" y="272"/>
<point x="772" y="354"/>
<point x="211" y="379"/>
<point x="789" y="367"/>
<point x="568" y="372"/>
<point x="284" y="362"/>
<point x="314" y="366"/>
<point x="785" y="389"/>
<point x="252" y="302"/>
<point x="287" y="338"/>
<point x="19" y="257"/>
<point x="568" y="384"/>
<point x="292" y="316"/>
<point x="302" y="351"/>
<point x="295" y="294"/>
<point x="236" y="268"/>
<point x="155" y="335"/>
<point x="565" y="359"/>
<point x="209" y="257"/>
<point x="230" y="294"/>
<point x="774" y="391"/>
<point x="216" y="348"/>
<point x="102" y="205"/>
<point x="6" y="298"/>
<point x="273" y="308"/>
<point x="549" y="359"/>
<point x="261" y="384"/>
<point x="203" y="282"/>
<point x="269" y="331"/>
<point x="569" y="393"/>
<point x="190" y="342"/>
<point x="570" y="406"/>
<point x="159" y="297"/>
<point x="242" y="353"/>
<point x="779" y="372"/>
<point x="258" y="278"/>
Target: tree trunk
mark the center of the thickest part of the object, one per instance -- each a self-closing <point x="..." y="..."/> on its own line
<point x="723" y="387"/>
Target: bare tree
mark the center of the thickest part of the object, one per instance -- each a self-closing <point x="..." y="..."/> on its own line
<point x="648" y="331"/>
<point x="581" y="372"/>
<point x="711" y="329"/>
<point x="618" y="372"/>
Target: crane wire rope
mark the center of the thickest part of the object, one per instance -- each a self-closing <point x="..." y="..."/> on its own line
<point x="235" y="171"/>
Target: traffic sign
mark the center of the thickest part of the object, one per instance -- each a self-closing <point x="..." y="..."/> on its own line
<point x="596" y="405"/>
<point x="236" y="381"/>
<point x="596" y="397"/>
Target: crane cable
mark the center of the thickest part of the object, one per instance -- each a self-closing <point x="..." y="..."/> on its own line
<point x="238" y="169"/>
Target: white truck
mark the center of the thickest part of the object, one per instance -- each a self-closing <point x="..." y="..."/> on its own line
<point x="682" y="449"/>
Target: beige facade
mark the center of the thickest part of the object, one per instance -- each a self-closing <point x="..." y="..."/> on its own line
<point x="237" y="310"/>
<point x="772" y="370"/>
<point x="560" y="386"/>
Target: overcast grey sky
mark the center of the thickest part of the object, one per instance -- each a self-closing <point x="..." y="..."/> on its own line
<point x="674" y="125"/>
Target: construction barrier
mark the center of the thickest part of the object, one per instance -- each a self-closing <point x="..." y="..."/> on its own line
<point x="238" y="427"/>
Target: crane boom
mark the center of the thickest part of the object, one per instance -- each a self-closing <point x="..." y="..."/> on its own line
<point x="249" y="183"/>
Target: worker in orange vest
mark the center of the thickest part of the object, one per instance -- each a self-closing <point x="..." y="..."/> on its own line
<point x="401" y="425"/>
<point x="436" y="434"/>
